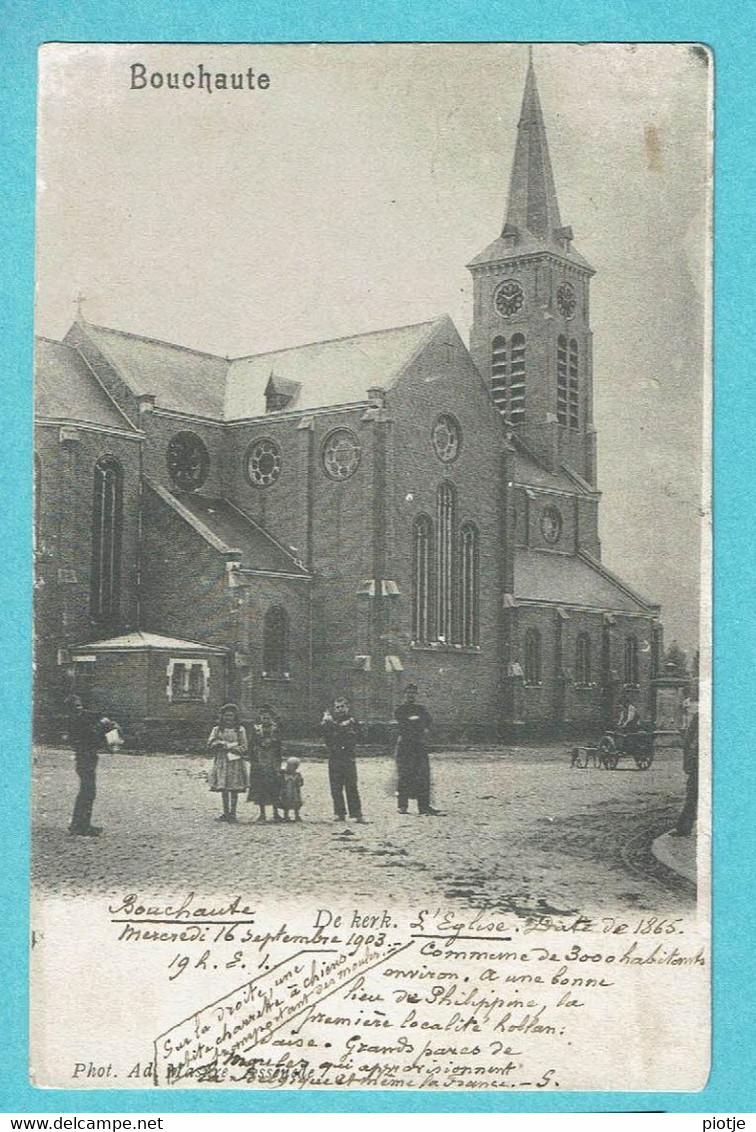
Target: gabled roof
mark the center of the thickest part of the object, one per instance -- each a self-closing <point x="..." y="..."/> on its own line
<point x="529" y="472"/>
<point x="66" y="389"/>
<point x="317" y="375"/>
<point x="562" y="579"/>
<point x="228" y="529"/>
<point x="336" y="372"/>
<point x="179" y="378"/>
<point x="140" y="641"/>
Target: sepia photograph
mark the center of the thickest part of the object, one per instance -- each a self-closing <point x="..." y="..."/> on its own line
<point x="372" y="582"/>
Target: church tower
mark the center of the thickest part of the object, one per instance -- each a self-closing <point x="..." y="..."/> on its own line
<point x="531" y="335"/>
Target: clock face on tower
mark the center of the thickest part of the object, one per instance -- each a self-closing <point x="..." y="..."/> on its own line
<point x="508" y="298"/>
<point x="566" y="300"/>
<point x="188" y="461"/>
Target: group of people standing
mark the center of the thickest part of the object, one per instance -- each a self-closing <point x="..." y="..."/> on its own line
<point x="253" y="765"/>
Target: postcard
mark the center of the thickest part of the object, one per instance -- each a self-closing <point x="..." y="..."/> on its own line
<point x="372" y="567"/>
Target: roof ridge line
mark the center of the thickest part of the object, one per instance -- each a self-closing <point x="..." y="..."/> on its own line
<point x="596" y="564"/>
<point x="132" y="424"/>
<point x="253" y="522"/>
<point x="191" y="519"/>
<point x="339" y="338"/>
<point x="157" y="341"/>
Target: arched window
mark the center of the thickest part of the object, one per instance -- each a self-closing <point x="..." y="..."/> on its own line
<point x="469" y="571"/>
<point x="422" y="551"/>
<point x="574" y="415"/>
<point x="276" y="642"/>
<point x="583" y="660"/>
<point x="499" y="373"/>
<point x="37" y="492"/>
<point x="532" y="657"/>
<point x="562" y="380"/>
<point x="517" y="380"/>
<point x="107" y="526"/>
<point x="631" y="660"/>
<point x="445" y="563"/>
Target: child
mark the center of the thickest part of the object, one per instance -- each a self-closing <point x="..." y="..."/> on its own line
<point x="265" y="764"/>
<point x="291" y="789"/>
<point x="228" y="775"/>
<point x="341" y="733"/>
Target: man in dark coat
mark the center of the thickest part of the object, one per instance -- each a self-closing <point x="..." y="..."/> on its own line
<point x="689" y="812"/>
<point x="341" y="733"/>
<point x="86" y="734"/>
<point x="412" y="762"/>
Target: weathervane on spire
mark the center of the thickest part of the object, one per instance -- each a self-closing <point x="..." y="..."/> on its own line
<point x="80" y="300"/>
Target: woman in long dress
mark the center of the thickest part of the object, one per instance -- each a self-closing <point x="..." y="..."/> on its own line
<point x="228" y="774"/>
<point x="265" y="765"/>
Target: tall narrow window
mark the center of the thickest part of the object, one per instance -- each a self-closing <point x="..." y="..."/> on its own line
<point x="574" y="414"/>
<point x="517" y="380"/>
<point x="583" y="660"/>
<point x="562" y="380"/>
<point x="499" y="373"/>
<point x="107" y="524"/>
<point x="445" y="564"/>
<point x="422" y="550"/>
<point x="469" y="571"/>
<point x="532" y="657"/>
<point x="276" y="642"/>
<point x="631" y="660"/>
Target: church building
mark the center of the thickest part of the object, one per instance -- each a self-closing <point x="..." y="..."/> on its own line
<point x="343" y="516"/>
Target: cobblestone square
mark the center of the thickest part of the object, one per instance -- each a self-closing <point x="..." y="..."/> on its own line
<point x="521" y="831"/>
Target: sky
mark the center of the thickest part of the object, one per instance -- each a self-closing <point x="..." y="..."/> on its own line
<point x="349" y="195"/>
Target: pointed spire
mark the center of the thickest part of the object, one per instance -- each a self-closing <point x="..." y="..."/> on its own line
<point x="532" y="204"/>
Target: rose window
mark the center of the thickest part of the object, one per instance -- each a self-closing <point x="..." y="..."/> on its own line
<point x="341" y="454"/>
<point x="263" y="462"/>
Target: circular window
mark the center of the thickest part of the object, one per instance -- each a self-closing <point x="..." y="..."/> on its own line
<point x="188" y="461"/>
<point x="341" y="454"/>
<point x="566" y="300"/>
<point x="551" y="524"/>
<point x="447" y="438"/>
<point x="508" y="298"/>
<point x="263" y="462"/>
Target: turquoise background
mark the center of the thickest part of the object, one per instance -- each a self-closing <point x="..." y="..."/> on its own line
<point x="730" y="29"/>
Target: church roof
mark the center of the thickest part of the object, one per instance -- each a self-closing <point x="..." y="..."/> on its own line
<point x="228" y="529"/>
<point x="335" y="372"/>
<point x="530" y="473"/>
<point x="562" y="579"/>
<point x="180" y="378"/>
<point x="64" y="388"/>
<point x="259" y="550"/>
<point x="339" y="371"/>
<point x="140" y="641"/>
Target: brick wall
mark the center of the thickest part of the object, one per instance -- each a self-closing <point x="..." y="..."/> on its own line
<point x="64" y="551"/>
<point x="462" y="689"/>
<point x="187" y="595"/>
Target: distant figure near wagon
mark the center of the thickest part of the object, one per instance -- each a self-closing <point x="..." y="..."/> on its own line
<point x="689" y="812"/>
<point x="412" y="762"/>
